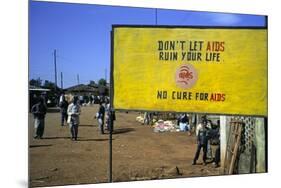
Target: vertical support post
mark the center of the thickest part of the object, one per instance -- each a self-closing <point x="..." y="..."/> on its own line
<point x="78" y="83"/>
<point x="110" y="144"/>
<point x="56" y="84"/>
<point x="111" y="109"/>
<point x="105" y="75"/>
<point x="223" y="141"/>
<point x="55" y="64"/>
<point x="61" y="80"/>
<point x="260" y="137"/>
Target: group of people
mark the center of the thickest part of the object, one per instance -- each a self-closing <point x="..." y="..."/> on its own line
<point x="205" y="133"/>
<point x="91" y="99"/>
<point x="69" y="115"/>
<point x="103" y="116"/>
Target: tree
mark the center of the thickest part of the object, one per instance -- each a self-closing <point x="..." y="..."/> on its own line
<point x="102" y="82"/>
<point x="92" y="83"/>
<point x="37" y="82"/>
<point x="50" y="85"/>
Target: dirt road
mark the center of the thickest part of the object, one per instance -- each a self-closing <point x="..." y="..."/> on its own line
<point x="138" y="152"/>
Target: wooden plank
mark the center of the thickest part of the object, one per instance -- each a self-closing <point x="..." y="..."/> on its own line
<point x="236" y="147"/>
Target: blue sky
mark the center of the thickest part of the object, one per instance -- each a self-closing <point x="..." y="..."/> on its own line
<point x="81" y="35"/>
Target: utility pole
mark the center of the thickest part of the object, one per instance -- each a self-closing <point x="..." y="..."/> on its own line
<point x="61" y="80"/>
<point x="39" y="82"/>
<point x="55" y="63"/>
<point x="78" y="79"/>
<point x="78" y="82"/>
<point x="105" y="75"/>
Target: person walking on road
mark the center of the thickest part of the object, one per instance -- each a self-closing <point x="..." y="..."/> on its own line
<point x="110" y="116"/>
<point x="73" y="112"/>
<point x="100" y="116"/>
<point x="63" y="110"/>
<point x="39" y="111"/>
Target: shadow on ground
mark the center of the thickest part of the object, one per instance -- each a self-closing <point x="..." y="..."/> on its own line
<point x="97" y="140"/>
<point x="56" y="137"/>
<point x="85" y="125"/>
<point x="53" y="110"/>
<point x="37" y="146"/>
<point x="123" y="130"/>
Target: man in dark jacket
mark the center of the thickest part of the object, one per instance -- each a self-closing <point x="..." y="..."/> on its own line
<point x="39" y="111"/>
<point x="202" y="141"/>
<point x="63" y="110"/>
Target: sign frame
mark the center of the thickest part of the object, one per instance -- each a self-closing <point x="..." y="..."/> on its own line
<point x="115" y="26"/>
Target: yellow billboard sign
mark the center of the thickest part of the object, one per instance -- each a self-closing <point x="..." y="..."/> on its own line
<point x="201" y="70"/>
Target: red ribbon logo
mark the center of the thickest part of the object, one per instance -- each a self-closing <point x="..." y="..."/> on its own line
<point x="186" y="76"/>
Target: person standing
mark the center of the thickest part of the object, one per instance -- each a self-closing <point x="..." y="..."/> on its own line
<point x="73" y="112"/>
<point x="61" y="97"/>
<point x="148" y="118"/>
<point x="107" y="115"/>
<point x="63" y="110"/>
<point x="218" y="149"/>
<point x="110" y="116"/>
<point x="217" y="157"/>
<point x="202" y="142"/>
<point x="39" y="111"/>
<point x="91" y="99"/>
<point x="100" y="116"/>
<point x="183" y="123"/>
<point x="81" y="100"/>
<point x="208" y="127"/>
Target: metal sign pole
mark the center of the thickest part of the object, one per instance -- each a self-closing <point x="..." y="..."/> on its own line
<point x="111" y="113"/>
<point x="110" y="145"/>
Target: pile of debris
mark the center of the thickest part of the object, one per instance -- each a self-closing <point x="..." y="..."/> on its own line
<point x="140" y="119"/>
<point x="161" y="125"/>
<point x="165" y="126"/>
